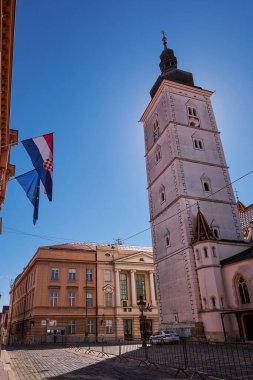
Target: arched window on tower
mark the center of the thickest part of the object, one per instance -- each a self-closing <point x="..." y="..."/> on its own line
<point x="206" y="186"/>
<point x="156" y="129"/>
<point x="205" y="252"/>
<point x="214" y="252"/>
<point x="204" y="303"/>
<point x="158" y="154"/>
<point x="243" y="291"/>
<point x="192" y="115"/>
<point x="162" y="194"/>
<point x="213" y="302"/>
<point x="167" y="238"/>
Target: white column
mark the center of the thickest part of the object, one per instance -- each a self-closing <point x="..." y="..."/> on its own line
<point x="117" y="287"/>
<point x="152" y="288"/>
<point x="133" y="288"/>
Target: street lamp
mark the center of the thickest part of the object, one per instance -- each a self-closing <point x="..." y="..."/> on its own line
<point x="142" y="306"/>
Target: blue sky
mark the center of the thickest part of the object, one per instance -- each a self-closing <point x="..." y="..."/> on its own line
<point x="83" y="69"/>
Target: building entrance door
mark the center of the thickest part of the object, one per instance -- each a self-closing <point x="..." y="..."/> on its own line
<point x="248" y="326"/>
<point x="128" y="333"/>
<point x="146" y="327"/>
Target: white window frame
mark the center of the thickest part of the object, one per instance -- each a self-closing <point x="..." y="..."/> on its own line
<point x="89" y="273"/>
<point x="91" y="326"/>
<point x="72" y="274"/>
<point x="72" y="298"/>
<point x="53" y="299"/>
<point x="72" y="326"/>
<point x="89" y="300"/>
<point x="107" y="275"/>
<point x="55" y="274"/>
<point x="108" y="299"/>
<point x="108" y="326"/>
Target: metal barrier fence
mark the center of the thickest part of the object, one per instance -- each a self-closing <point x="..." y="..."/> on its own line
<point x="220" y="360"/>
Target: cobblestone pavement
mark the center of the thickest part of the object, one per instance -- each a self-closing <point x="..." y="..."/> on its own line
<point x="65" y="364"/>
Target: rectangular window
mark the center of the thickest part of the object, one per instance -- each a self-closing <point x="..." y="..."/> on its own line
<point x="53" y="299"/>
<point x="140" y="286"/>
<point x="108" y="275"/>
<point x="72" y="274"/>
<point x="108" y="326"/>
<point x="72" y="299"/>
<point x="88" y="274"/>
<point x="55" y="274"/>
<point x="123" y="286"/>
<point x="89" y="300"/>
<point x="72" y="326"/>
<point x="108" y="299"/>
<point x="91" y="326"/>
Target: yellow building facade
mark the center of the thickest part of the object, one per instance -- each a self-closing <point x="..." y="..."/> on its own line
<point x="8" y="137"/>
<point x="73" y="291"/>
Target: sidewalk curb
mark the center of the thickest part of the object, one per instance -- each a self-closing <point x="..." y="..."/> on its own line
<point x="5" y="360"/>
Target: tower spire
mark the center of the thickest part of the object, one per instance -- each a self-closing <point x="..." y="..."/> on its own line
<point x="169" y="70"/>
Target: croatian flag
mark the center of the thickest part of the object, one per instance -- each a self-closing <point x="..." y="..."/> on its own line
<point x="41" y="149"/>
<point x="31" y="184"/>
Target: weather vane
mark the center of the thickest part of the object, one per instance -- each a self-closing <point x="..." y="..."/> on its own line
<point x="164" y="39"/>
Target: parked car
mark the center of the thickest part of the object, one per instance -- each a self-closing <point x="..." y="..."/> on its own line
<point x="162" y="337"/>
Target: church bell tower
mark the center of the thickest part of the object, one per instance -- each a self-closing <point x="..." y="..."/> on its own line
<point x="186" y="169"/>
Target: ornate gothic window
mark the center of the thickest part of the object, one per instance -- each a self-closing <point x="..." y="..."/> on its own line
<point x="243" y="291"/>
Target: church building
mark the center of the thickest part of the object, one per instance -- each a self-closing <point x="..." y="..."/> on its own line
<point x="203" y="264"/>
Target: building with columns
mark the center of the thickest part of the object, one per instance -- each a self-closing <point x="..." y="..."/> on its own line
<point x="195" y="224"/>
<point x="72" y="291"/>
<point x="8" y="137"/>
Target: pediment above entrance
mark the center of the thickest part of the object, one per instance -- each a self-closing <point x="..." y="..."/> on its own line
<point x="137" y="258"/>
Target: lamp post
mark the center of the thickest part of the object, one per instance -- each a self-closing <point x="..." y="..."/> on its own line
<point x="141" y="304"/>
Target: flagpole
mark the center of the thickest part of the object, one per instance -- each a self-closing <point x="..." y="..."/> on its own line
<point x="18" y="142"/>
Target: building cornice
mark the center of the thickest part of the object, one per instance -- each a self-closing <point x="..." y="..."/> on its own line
<point x="185" y="160"/>
<point x="200" y="199"/>
<point x="181" y="125"/>
<point x="166" y="83"/>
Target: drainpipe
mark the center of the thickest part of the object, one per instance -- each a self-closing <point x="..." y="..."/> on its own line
<point x="96" y="293"/>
